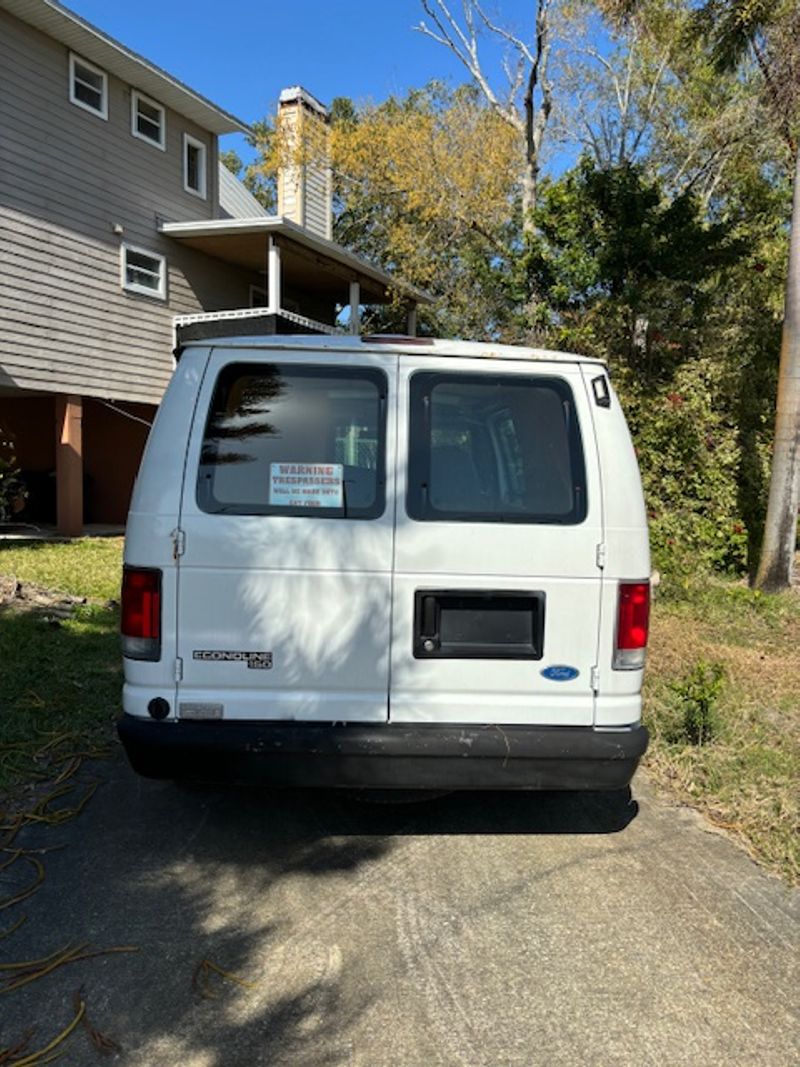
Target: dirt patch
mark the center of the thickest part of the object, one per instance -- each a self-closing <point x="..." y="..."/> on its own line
<point x="16" y="596"/>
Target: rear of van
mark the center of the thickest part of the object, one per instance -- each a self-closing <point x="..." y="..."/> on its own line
<point x="384" y="564"/>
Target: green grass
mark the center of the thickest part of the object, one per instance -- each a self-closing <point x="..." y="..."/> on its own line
<point x="59" y="677"/>
<point x="90" y="567"/>
<point x="745" y="778"/>
<point x="55" y="680"/>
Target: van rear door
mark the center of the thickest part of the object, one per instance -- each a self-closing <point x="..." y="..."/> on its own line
<point x="497" y="594"/>
<point x="284" y="577"/>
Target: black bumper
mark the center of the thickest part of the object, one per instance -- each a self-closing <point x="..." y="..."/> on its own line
<point x="384" y="756"/>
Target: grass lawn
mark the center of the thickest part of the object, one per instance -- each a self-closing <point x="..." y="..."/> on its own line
<point x="66" y="678"/>
<point x="745" y="777"/>
<point x="58" y="676"/>
<point x="91" y="567"/>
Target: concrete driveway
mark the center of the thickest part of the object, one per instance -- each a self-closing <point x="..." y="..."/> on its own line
<point x="476" y="929"/>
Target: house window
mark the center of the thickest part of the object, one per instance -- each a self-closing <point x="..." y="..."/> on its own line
<point x="144" y="272"/>
<point x="194" y="166"/>
<point x="88" y="86"/>
<point x="148" y="120"/>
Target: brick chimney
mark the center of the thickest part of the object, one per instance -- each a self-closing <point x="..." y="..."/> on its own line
<point x="304" y="179"/>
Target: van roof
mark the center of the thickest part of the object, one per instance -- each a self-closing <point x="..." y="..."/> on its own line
<point x="378" y="343"/>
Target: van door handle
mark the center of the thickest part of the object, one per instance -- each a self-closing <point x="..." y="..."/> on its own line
<point x="428" y="622"/>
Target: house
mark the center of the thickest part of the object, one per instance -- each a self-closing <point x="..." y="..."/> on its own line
<point x="116" y="221"/>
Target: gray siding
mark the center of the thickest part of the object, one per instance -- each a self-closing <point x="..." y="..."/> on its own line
<point x="67" y="178"/>
<point x="317" y="201"/>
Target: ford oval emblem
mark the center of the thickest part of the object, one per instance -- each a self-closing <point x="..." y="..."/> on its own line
<point x="560" y="673"/>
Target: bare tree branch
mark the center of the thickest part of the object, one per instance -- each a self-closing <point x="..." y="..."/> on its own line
<point x="517" y="42"/>
<point x="529" y="76"/>
<point x="464" y="47"/>
<point x="649" y="107"/>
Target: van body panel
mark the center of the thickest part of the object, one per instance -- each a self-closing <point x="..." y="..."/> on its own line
<point x="627" y="556"/>
<point x="558" y="561"/>
<point x="499" y="690"/>
<point x="626" y="552"/>
<point x="312" y="596"/>
<point x="326" y="634"/>
<point x="159" y="483"/>
<point x="152" y="522"/>
<point x="627" y="546"/>
<point x="616" y="710"/>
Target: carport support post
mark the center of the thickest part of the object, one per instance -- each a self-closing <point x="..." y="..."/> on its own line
<point x="273" y="276"/>
<point x="69" y="465"/>
<point x="355" y="307"/>
<point x="411" y="321"/>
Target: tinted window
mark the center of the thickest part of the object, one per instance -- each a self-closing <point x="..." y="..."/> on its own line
<point x="494" y="448"/>
<point x="288" y="440"/>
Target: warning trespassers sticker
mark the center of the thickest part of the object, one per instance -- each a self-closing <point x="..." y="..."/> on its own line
<point x="306" y="485"/>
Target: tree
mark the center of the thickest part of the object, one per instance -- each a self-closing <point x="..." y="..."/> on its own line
<point x="426" y="185"/>
<point x="627" y="271"/>
<point x="642" y="279"/>
<point x="651" y="95"/>
<point x="770" y="31"/>
<point x="527" y="101"/>
<point x="611" y="95"/>
<point x="258" y="177"/>
<point x="232" y="160"/>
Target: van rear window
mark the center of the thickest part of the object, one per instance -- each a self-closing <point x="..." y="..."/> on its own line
<point x="494" y="448"/>
<point x="283" y="439"/>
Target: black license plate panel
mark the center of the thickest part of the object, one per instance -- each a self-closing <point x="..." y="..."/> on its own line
<point x="478" y="624"/>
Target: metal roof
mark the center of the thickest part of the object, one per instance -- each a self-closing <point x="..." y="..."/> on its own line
<point x="243" y="241"/>
<point x="87" y="40"/>
<point x="235" y="200"/>
<point x="388" y="344"/>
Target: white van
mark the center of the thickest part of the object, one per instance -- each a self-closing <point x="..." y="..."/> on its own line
<point x="386" y="562"/>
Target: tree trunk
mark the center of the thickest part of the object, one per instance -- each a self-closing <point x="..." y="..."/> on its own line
<point x="780" y="530"/>
<point x="529" y="198"/>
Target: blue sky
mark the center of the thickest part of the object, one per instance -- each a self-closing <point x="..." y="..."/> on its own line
<point x="241" y="54"/>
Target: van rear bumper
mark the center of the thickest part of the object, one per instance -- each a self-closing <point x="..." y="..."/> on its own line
<point x="385" y="756"/>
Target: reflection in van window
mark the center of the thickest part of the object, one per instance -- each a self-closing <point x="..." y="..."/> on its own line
<point x="295" y="440"/>
<point x="494" y="448"/>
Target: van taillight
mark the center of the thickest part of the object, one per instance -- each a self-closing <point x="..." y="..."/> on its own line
<point x="633" y="615"/>
<point x="141" y="613"/>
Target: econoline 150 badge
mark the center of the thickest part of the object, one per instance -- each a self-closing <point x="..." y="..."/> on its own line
<point x="260" y="661"/>
<point x="560" y="672"/>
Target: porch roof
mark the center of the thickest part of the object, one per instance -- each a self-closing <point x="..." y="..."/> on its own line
<point x="308" y="262"/>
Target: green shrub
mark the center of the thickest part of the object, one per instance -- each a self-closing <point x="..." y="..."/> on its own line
<point x="698" y="694"/>
<point x="688" y="451"/>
